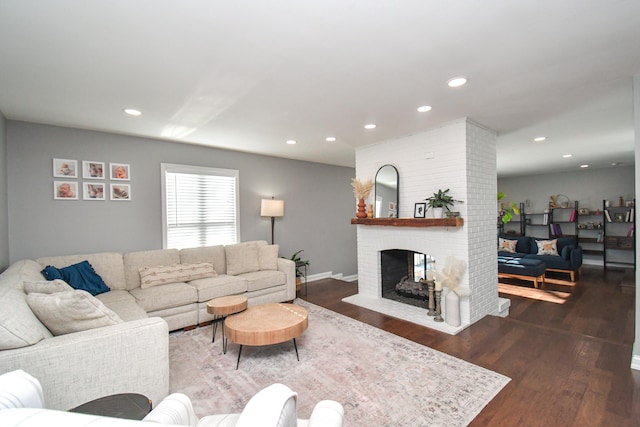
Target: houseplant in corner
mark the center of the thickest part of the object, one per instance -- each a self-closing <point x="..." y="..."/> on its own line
<point x="441" y="201"/>
<point x="506" y="211"/>
<point x="299" y="264"/>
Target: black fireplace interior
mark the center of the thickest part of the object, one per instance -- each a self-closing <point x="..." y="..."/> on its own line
<point x="399" y="265"/>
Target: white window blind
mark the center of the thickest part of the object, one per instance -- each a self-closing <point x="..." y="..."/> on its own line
<point x="200" y="206"/>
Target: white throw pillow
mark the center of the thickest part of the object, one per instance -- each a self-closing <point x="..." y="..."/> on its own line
<point x="268" y="257"/>
<point x="73" y="311"/>
<point x="242" y="258"/>
<point x="506" y="245"/>
<point x="47" y="287"/>
<point x="547" y="247"/>
<point x="164" y="274"/>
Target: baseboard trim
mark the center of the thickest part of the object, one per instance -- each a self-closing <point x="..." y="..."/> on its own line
<point x="330" y="275"/>
<point x="635" y="362"/>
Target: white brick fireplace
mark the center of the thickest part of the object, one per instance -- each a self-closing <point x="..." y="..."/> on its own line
<point x="460" y="156"/>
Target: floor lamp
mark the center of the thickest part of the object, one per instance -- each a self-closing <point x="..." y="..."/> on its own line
<point x="272" y="208"/>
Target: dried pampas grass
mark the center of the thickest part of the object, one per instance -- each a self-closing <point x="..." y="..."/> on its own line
<point x="361" y="189"/>
<point x="451" y="275"/>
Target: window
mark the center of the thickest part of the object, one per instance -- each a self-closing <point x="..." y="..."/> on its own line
<point x="200" y="206"/>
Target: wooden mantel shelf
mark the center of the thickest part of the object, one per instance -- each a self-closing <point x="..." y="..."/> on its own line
<point x="410" y="222"/>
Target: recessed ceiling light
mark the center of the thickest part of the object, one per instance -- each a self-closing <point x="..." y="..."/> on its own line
<point x="424" y="108"/>
<point x="566" y="156"/>
<point x="292" y="141"/>
<point x="330" y="139"/>
<point x="539" y="138"/>
<point x="370" y="126"/>
<point x="132" y="111"/>
<point x="457" y="81"/>
<point x="584" y="166"/>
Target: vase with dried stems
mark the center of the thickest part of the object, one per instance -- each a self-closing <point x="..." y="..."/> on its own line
<point x="361" y="190"/>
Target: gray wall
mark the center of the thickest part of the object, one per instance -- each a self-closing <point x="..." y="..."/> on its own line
<point x="4" y="214"/>
<point x="318" y="198"/>
<point x="588" y="186"/>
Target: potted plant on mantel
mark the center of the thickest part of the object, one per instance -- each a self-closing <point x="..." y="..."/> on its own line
<point x="441" y="201"/>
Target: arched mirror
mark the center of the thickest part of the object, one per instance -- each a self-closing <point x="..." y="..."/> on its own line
<point x="387" y="187"/>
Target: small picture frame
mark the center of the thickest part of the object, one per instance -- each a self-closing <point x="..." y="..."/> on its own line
<point x="93" y="191"/>
<point x="119" y="172"/>
<point x="92" y="170"/>
<point x="120" y="192"/>
<point x="65" y="190"/>
<point x="583" y="211"/>
<point x="619" y="217"/>
<point x="419" y="210"/>
<point x="65" y="168"/>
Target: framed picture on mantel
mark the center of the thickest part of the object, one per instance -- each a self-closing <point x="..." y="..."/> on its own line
<point x="419" y="210"/>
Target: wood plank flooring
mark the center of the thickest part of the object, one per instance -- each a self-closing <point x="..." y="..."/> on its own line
<point x="569" y="363"/>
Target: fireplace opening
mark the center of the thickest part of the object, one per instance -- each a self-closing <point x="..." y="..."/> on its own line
<point x="402" y="271"/>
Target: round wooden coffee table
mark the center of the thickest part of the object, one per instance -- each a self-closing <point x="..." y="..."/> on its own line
<point x="221" y="308"/>
<point x="267" y="324"/>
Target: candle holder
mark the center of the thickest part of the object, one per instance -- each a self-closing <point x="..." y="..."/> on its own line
<point x="438" y="298"/>
<point x="431" y="305"/>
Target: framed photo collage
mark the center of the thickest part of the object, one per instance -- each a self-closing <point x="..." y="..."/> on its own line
<point x="94" y="185"/>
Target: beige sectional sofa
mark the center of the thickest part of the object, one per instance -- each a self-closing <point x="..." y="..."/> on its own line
<point x="132" y="355"/>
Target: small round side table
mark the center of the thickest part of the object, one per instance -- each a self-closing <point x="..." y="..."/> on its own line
<point x="223" y="307"/>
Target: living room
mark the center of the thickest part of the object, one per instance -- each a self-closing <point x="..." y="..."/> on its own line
<point x="318" y="197"/>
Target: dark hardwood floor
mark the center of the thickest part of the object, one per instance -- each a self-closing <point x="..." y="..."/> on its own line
<point x="569" y="363"/>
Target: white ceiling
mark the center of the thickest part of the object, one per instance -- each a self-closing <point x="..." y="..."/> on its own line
<point x="249" y="74"/>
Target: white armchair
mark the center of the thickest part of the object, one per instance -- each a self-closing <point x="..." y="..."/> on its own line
<point x="274" y="405"/>
<point x="22" y="402"/>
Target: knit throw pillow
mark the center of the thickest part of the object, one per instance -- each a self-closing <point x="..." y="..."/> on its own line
<point x="164" y="274"/>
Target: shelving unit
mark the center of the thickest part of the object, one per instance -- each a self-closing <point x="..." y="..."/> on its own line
<point x="591" y="231"/>
<point x="557" y="222"/>
<point x="619" y="234"/>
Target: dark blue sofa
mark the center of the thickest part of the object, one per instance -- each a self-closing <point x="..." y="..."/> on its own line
<point x="568" y="260"/>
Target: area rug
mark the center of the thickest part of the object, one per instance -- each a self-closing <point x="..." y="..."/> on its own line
<point x="380" y="379"/>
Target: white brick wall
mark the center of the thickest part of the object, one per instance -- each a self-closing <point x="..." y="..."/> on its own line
<point x="460" y="156"/>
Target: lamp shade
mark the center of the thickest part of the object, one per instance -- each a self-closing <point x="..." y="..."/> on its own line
<point x="272" y="208"/>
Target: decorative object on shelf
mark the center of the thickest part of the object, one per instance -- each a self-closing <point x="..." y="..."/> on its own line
<point x="361" y="190"/>
<point x="419" y="210"/>
<point x="441" y="201"/>
<point x="370" y="211"/>
<point x="506" y="211"/>
<point x="450" y="276"/>
<point x="558" y="201"/>
<point x="452" y="214"/>
<point x="621" y="201"/>
<point x="583" y="211"/>
<point x="272" y="208"/>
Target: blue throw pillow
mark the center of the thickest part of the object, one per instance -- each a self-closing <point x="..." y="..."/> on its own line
<point x="80" y="276"/>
